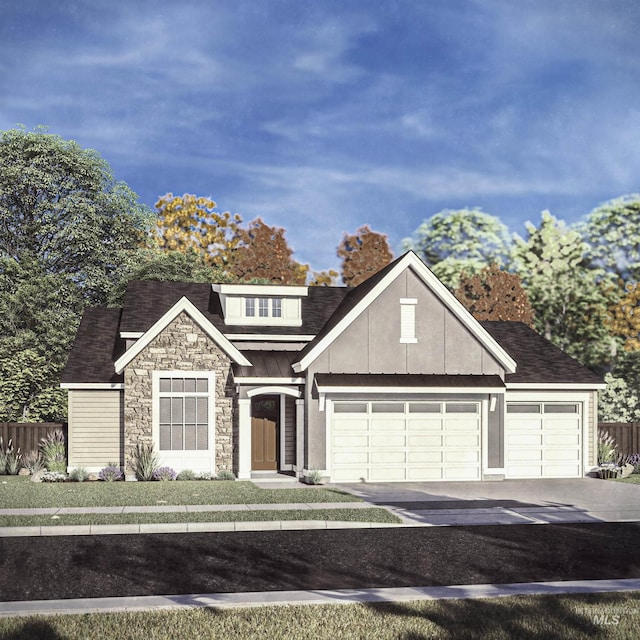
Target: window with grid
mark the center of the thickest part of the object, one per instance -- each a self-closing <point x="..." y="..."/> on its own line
<point x="263" y="307"/>
<point x="184" y="413"/>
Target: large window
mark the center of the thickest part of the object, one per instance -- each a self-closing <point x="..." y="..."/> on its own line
<point x="184" y="411"/>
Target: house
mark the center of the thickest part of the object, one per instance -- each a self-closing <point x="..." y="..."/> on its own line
<point x="392" y="380"/>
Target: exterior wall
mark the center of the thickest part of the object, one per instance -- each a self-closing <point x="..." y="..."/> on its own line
<point x="495" y="435"/>
<point x="592" y="430"/>
<point x="96" y="424"/>
<point x="289" y="430"/>
<point x="182" y="346"/>
<point x="372" y="343"/>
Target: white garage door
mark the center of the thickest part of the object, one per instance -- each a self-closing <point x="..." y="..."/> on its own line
<point x="395" y="441"/>
<point x="543" y="440"/>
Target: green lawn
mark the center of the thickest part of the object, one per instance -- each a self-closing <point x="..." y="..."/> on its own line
<point x="634" y="478"/>
<point x="20" y="493"/>
<point x="342" y="515"/>
<point x="570" y="617"/>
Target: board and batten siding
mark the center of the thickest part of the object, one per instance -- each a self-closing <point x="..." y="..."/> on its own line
<point x="96" y="422"/>
<point x="289" y="430"/>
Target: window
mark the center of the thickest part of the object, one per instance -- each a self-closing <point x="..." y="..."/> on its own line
<point x="263" y="307"/>
<point x="184" y="412"/>
<point x="408" y="320"/>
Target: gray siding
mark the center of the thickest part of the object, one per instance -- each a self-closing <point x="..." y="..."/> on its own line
<point x="371" y="344"/>
<point x="96" y="420"/>
<point x="289" y="430"/>
<point x="495" y="434"/>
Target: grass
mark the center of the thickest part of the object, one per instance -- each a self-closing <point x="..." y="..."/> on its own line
<point x="634" y="478"/>
<point x="20" y="493"/>
<point x="343" y="515"/>
<point x="570" y="617"/>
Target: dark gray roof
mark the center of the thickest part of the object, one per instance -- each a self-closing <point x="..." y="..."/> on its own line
<point x="147" y="301"/>
<point x="406" y="380"/>
<point x="96" y="348"/>
<point x="276" y="364"/>
<point x="538" y="360"/>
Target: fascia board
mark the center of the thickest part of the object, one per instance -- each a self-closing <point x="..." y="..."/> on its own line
<point x="183" y="305"/>
<point x="556" y="386"/>
<point x="452" y="303"/>
<point x="261" y="289"/>
<point x="115" y="386"/>
<point x="409" y="390"/>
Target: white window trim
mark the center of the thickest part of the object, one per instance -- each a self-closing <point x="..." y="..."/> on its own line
<point x="155" y="421"/>
<point x="408" y="320"/>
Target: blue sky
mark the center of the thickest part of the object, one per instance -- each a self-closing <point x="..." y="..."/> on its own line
<point x="322" y="116"/>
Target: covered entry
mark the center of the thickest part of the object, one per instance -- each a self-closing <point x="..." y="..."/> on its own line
<point x="380" y="441"/>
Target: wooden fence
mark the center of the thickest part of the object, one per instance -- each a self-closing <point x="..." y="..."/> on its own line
<point x="27" y="435"/>
<point x="626" y="435"/>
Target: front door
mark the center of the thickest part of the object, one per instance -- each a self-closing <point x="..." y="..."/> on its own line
<point x="265" y="412"/>
<point x="263" y="444"/>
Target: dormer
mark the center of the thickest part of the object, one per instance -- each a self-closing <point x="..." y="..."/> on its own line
<point x="263" y="305"/>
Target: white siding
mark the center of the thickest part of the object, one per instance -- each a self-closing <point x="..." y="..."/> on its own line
<point x="95" y="428"/>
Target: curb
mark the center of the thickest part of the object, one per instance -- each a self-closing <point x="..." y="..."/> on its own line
<point x="320" y="597"/>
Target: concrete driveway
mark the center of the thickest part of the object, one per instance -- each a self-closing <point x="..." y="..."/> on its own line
<point x="507" y="502"/>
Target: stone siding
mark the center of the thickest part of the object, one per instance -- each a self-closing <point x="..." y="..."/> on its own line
<point x="181" y="346"/>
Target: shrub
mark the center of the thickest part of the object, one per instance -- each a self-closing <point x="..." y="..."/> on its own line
<point x="3" y="457"/>
<point x="144" y="461"/>
<point x="33" y="461"/>
<point x="607" y="450"/>
<point x="79" y="474"/>
<point x="13" y="460"/>
<point x="164" y="473"/>
<point x="314" y="476"/>
<point x="111" y="473"/>
<point x="54" y="476"/>
<point x="187" y="474"/>
<point x="204" y="475"/>
<point x="54" y="451"/>
<point x="225" y="474"/>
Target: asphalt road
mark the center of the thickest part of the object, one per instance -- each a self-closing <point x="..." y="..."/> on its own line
<point x="127" y="565"/>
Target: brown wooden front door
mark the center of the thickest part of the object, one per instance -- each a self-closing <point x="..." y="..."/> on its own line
<point x="264" y="440"/>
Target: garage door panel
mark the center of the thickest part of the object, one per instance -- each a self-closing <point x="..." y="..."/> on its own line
<point x="382" y="424"/>
<point x="559" y="424"/>
<point x="524" y="471"/>
<point x="425" y="455"/>
<point x="388" y="441"/>
<point x="524" y="440"/>
<point x="425" y="425"/>
<point x="526" y="424"/>
<point x="349" y="475"/>
<point x="462" y="425"/>
<point x="350" y="425"/>
<point x="424" y="473"/>
<point x="462" y="440"/>
<point x="387" y="474"/>
<point x="351" y="442"/>
<point x="388" y="457"/>
<point x="351" y="457"/>
<point x="568" y="455"/>
<point x="562" y="471"/>
<point x="526" y="455"/>
<point x="425" y="441"/>
<point x="563" y="438"/>
<point x="466" y="472"/>
<point x="462" y="456"/>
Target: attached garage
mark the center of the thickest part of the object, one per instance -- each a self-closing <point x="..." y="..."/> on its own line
<point x="412" y="441"/>
<point x="543" y="440"/>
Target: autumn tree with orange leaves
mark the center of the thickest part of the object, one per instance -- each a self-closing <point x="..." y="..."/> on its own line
<point x="363" y="254"/>
<point x="494" y="294"/>
<point x="262" y="253"/>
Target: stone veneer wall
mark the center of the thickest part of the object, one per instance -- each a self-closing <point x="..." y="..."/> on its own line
<point x="181" y="346"/>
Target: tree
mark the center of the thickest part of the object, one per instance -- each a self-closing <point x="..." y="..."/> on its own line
<point x="327" y="278"/>
<point x="262" y="252"/>
<point x="168" y="266"/>
<point x="68" y="233"/>
<point x="620" y="401"/>
<point x="612" y="233"/>
<point x="494" y="294"/>
<point x="363" y="254"/>
<point x="624" y="318"/>
<point x="570" y="299"/>
<point x="190" y="223"/>
<point x="453" y="241"/>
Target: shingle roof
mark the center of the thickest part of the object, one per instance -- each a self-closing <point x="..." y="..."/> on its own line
<point x="407" y="380"/>
<point x="538" y="360"/>
<point x="96" y="348"/>
<point x="147" y="301"/>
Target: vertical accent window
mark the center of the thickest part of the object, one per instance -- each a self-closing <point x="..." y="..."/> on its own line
<point x="250" y="307"/>
<point x="276" y="307"/>
<point x="408" y="320"/>
<point x="184" y="413"/>
<point x="263" y="307"/>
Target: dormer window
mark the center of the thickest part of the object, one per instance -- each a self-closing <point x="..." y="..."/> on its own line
<point x="261" y="305"/>
<point x="266" y="307"/>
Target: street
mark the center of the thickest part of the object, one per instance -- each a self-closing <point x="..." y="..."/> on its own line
<point x="126" y="565"/>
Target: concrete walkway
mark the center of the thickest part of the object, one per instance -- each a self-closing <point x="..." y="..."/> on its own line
<point x="343" y="596"/>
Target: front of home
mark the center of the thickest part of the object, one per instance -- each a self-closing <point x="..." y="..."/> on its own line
<point x="392" y="380"/>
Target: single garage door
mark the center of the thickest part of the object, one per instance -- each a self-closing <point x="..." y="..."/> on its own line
<point x="411" y="441"/>
<point x="543" y="440"/>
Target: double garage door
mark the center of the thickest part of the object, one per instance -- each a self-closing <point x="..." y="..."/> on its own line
<point x="410" y="441"/>
<point x="543" y="440"/>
